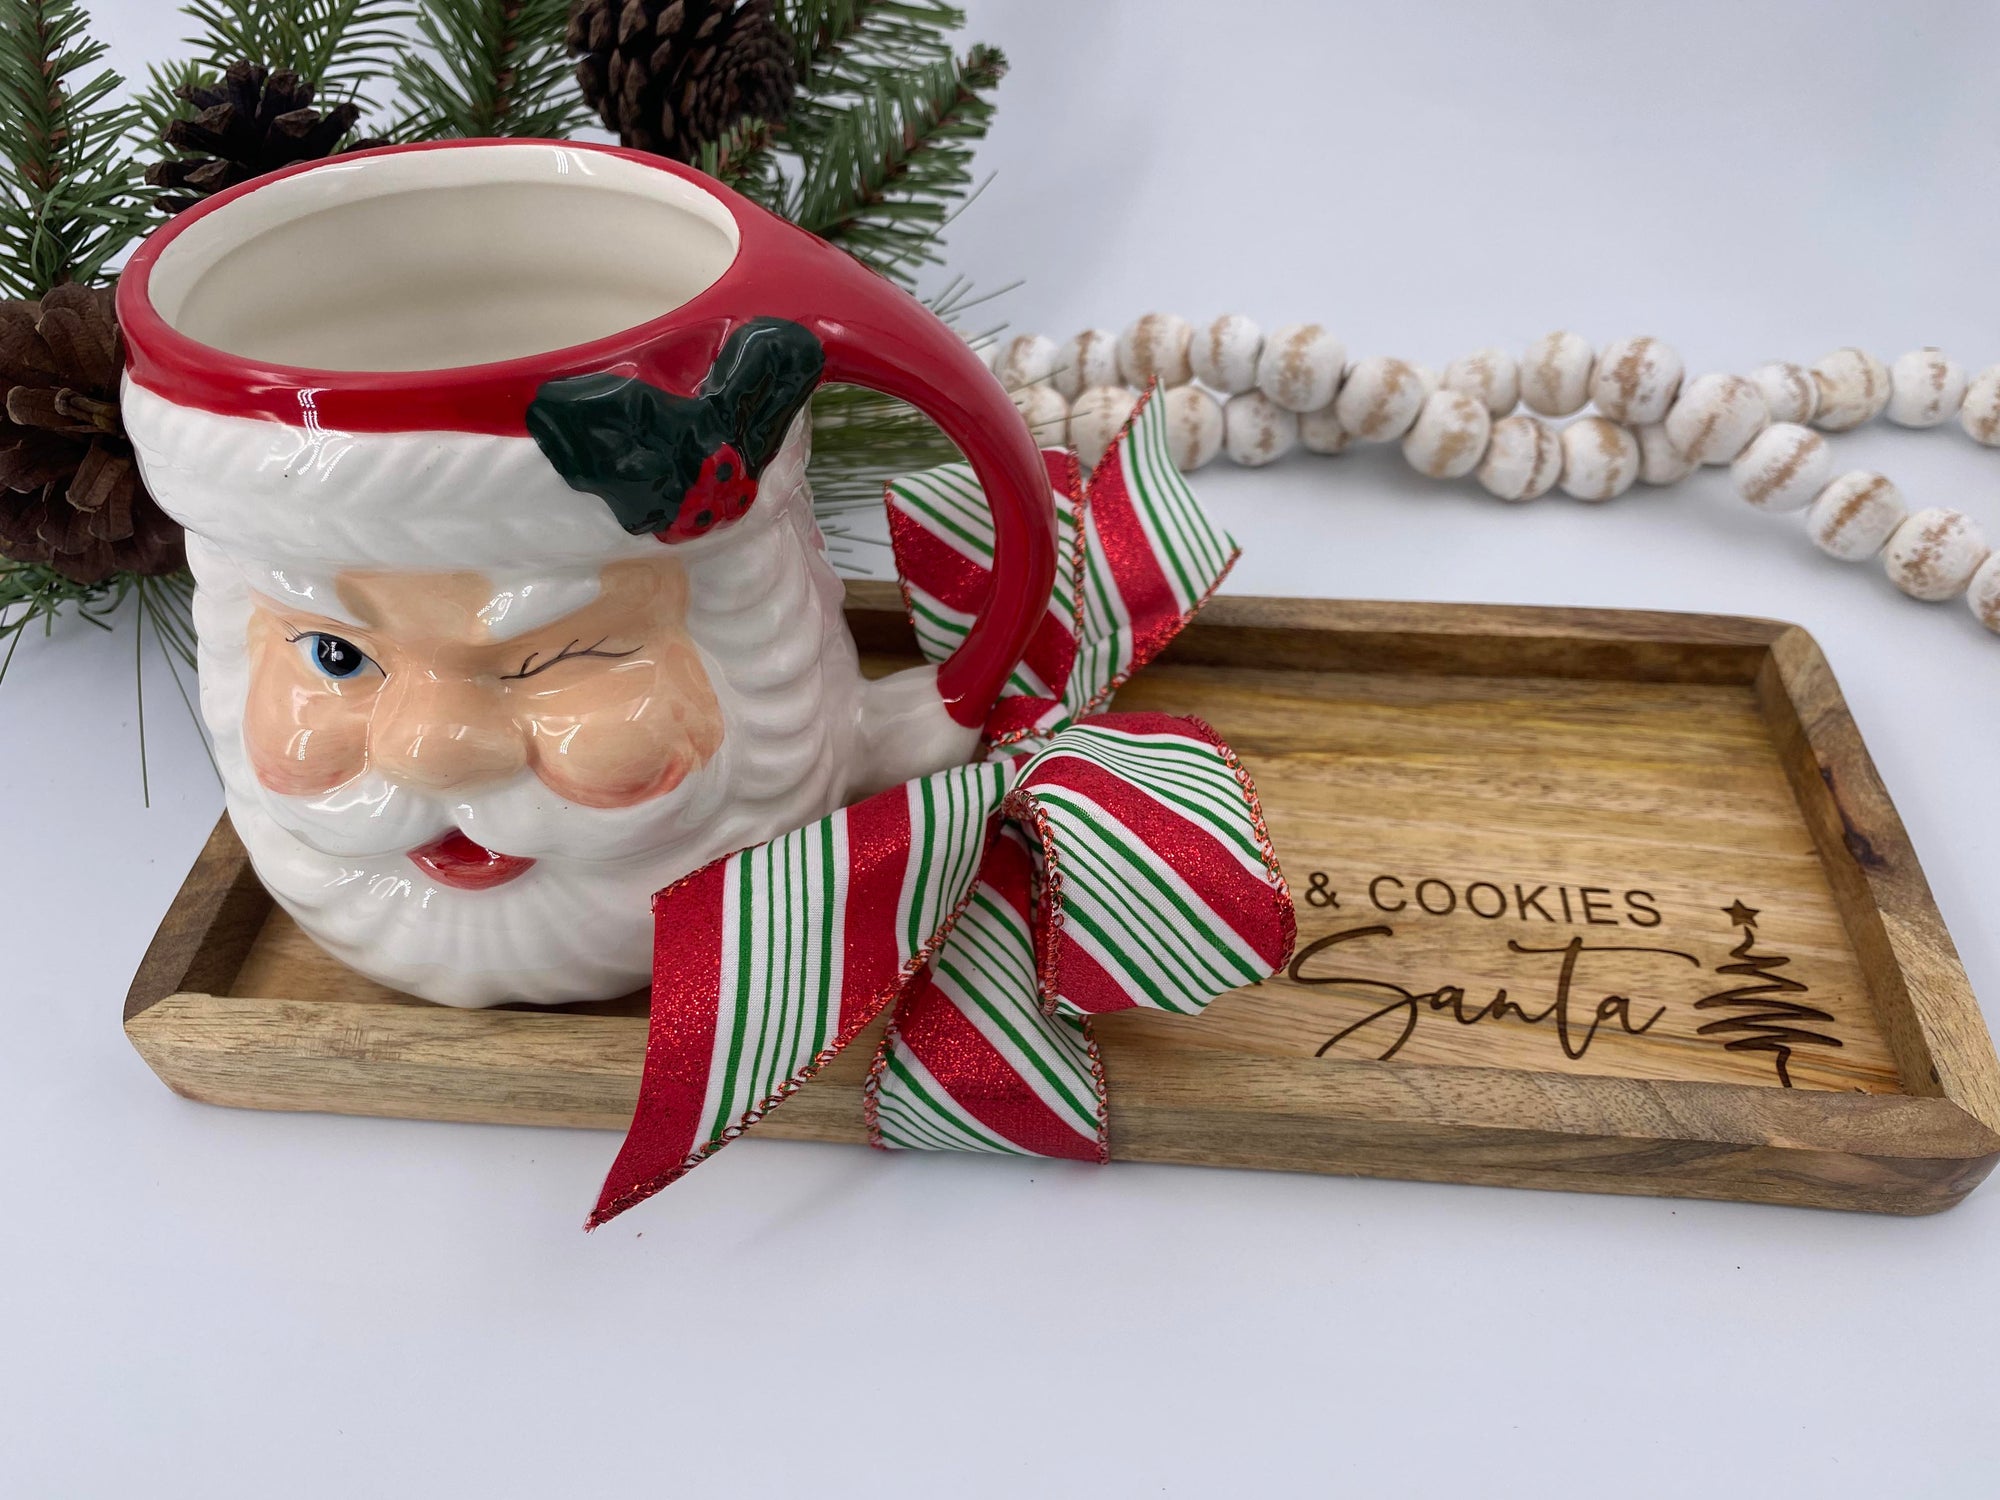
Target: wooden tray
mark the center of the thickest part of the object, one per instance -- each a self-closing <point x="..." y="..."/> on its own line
<point x="1595" y="900"/>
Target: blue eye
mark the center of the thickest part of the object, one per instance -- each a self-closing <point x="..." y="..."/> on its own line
<point x="332" y="656"/>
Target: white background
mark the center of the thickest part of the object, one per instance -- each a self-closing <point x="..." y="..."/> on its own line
<point x="195" y="1301"/>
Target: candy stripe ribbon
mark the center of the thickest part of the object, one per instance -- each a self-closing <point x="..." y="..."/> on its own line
<point x="1092" y="862"/>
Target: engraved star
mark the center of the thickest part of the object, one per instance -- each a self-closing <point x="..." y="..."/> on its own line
<point x="1741" y="915"/>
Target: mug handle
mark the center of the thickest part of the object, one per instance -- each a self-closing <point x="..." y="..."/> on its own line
<point x="878" y="336"/>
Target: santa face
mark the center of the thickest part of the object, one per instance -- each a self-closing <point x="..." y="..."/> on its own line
<point x="469" y="785"/>
<point x="607" y="705"/>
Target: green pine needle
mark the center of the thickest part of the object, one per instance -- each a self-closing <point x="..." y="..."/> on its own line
<point x="490" y="68"/>
<point x="889" y="173"/>
<point x="69" y="195"/>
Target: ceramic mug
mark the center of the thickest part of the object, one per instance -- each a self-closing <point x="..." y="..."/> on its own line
<point x="511" y="605"/>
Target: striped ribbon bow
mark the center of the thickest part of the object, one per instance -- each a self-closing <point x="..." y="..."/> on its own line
<point x="1091" y="862"/>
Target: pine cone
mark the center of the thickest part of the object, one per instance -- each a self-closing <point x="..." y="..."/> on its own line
<point x="253" y="122"/>
<point x="70" y="496"/>
<point x="671" y="76"/>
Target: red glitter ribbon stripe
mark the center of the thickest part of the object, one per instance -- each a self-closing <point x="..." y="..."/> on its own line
<point x="697" y="921"/>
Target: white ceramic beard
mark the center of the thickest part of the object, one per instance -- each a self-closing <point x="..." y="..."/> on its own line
<point x="802" y="734"/>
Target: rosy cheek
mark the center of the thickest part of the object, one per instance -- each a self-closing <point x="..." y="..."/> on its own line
<point x="629" y="734"/>
<point x="302" y="736"/>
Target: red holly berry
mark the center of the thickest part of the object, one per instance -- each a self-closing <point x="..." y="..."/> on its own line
<point x="722" y="492"/>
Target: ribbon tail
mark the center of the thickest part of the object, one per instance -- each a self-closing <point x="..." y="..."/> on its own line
<point x="769" y="962"/>
<point x="1152" y="558"/>
<point x="971" y="1061"/>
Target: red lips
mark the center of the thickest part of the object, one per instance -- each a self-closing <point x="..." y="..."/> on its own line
<point x="454" y="860"/>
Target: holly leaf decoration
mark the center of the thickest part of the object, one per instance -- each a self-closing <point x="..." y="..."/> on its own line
<point x="644" y="451"/>
<point x="766" y="371"/>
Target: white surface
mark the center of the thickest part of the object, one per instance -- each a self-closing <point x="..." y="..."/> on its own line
<point x="198" y="1301"/>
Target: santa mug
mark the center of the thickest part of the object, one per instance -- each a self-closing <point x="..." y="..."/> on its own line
<point x="511" y="604"/>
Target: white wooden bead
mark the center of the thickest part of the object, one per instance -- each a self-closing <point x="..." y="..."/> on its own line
<point x="1380" y="399"/>
<point x="1489" y="376"/>
<point x="1097" y="417"/>
<point x="1426" y="377"/>
<point x="1156" y="347"/>
<point x="1449" y="437"/>
<point x="1046" y="413"/>
<point x="1983" y="594"/>
<point x="1194" y="427"/>
<point x="1089" y="359"/>
<point x="1600" y="459"/>
<point x="1524" y="458"/>
<point x="1660" y="462"/>
<point x="1980" y="415"/>
<point x="1300" y="366"/>
<point x="1788" y="390"/>
<point x="1636" y="381"/>
<point x="1934" y="554"/>
<point x="1853" y="388"/>
<point x="1555" y="374"/>
<point x="1715" y="418"/>
<point x="1783" y="469"/>
<point x="1027" y="360"/>
<point x="1925" y="388"/>
<point x="1224" y="354"/>
<point x="1855" y="516"/>
<point x="1320" y="431"/>
<point x="1256" y="430"/>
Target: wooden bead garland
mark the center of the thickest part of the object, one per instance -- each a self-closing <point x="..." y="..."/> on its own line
<point x="1555" y="374"/>
<point x="1853" y="388"/>
<point x="1320" y="431"/>
<point x="1635" y="381"/>
<point x="1524" y="458"/>
<point x="1097" y="416"/>
<point x="1194" y="427"/>
<point x="1155" y="347"/>
<point x="1783" y="468"/>
<point x="1660" y="462"/>
<point x="1925" y="388"/>
<point x="1600" y="459"/>
<point x="1086" y="362"/>
<point x="1300" y="366"/>
<point x="1855" y="516"/>
<point x="1934" y="554"/>
<point x="1380" y="399"/>
<point x="1260" y="397"/>
<point x="1715" y="418"/>
<point x="1983" y="593"/>
<point x="1449" y="436"/>
<point x="1224" y="355"/>
<point x="1980" y="416"/>
<point x="1489" y="376"/>
<point x="1257" y="431"/>
<point x="1789" y="391"/>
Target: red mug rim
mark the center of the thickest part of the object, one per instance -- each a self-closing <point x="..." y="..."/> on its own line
<point x="488" y="397"/>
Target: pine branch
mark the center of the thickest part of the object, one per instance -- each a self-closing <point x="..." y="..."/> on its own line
<point x="344" y="48"/>
<point x="490" y="68"/>
<point x="746" y="159"/>
<point x="69" y="196"/>
<point x="889" y="173"/>
<point x="844" y="46"/>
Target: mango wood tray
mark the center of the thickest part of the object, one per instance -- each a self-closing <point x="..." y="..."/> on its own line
<point x="1597" y="900"/>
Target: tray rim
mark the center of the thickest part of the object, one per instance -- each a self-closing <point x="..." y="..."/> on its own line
<point x="1934" y="1142"/>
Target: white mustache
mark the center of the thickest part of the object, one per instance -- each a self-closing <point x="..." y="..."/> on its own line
<point x="371" y="816"/>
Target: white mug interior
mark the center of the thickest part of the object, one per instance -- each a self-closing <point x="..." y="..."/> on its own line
<point x="438" y="259"/>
